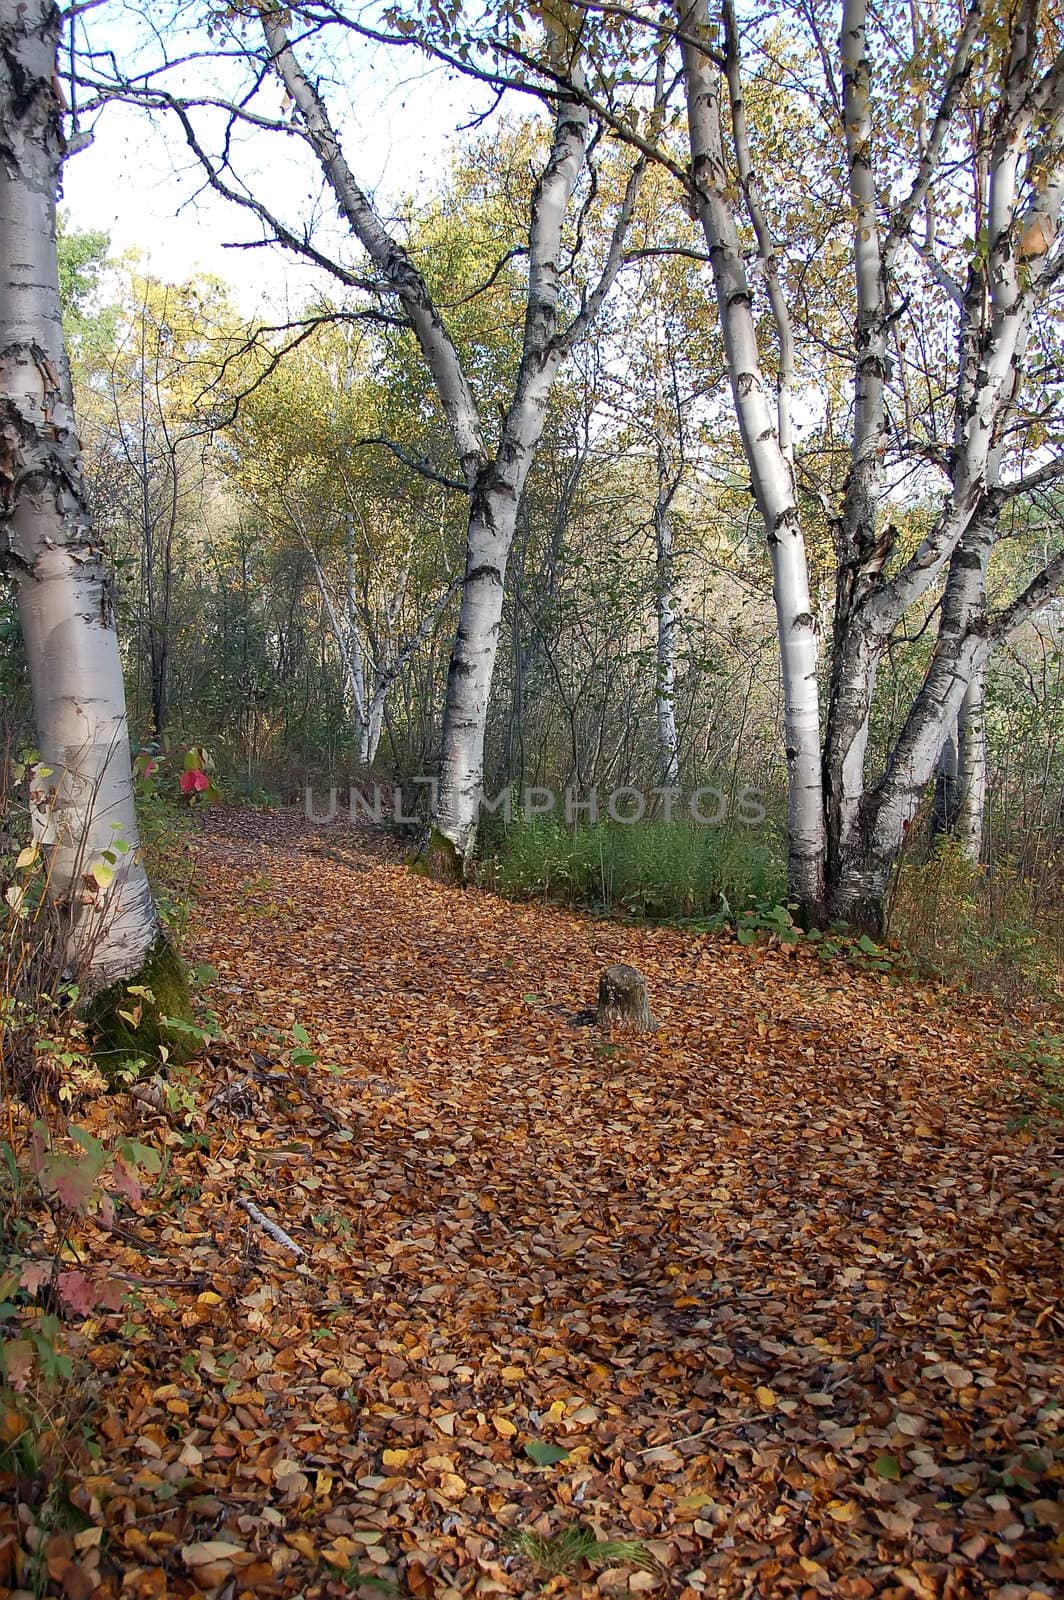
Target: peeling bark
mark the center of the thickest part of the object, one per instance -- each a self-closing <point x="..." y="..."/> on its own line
<point x="64" y="585"/>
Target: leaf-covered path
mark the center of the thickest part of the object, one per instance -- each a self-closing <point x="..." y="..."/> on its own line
<point x="778" y="1278"/>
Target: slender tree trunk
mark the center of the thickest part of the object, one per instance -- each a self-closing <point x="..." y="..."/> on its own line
<point x="496" y="497"/>
<point x="858" y="890"/>
<point x="971" y="767"/>
<point x="495" y="484"/>
<point x="64" y="588"/>
<point x="491" y="530"/>
<point x="665" y="685"/>
<point x="770" y="470"/>
<point x="867" y="828"/>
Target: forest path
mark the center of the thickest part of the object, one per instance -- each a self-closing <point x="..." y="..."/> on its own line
<point x="778" y="1277"/>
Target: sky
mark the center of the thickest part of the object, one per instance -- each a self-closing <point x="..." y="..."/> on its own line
<point x="138" y="182"/>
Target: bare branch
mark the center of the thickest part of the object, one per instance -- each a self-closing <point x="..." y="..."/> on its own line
<point x="1045" y="587"/>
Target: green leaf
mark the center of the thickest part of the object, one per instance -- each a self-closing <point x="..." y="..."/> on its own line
<point x="887" y="1467"/>
<point x="300" y="1034"/>
<point x="88" y="1142"/>
<point x="544" y="1454"/>
<point x="143" y="1155"/>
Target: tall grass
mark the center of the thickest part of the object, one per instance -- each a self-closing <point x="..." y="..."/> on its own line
<point x="654" y="869"/>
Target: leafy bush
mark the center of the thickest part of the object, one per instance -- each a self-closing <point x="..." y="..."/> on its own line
<point x="977" y="927"/>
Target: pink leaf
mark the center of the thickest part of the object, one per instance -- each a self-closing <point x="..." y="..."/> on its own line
<point x="70" y="1181"/>
<point x="34" y="1275"/>
<point x="194" y="780"/>
<point x="77" y="1291"/>
<point x="127" y="1183"/>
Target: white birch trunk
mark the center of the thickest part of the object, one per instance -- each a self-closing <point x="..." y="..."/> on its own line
<point x="770" y="470"/>
<point x="962" y="649"/>
<point x="391" y="260"/>
<point x="497" y="494"/>
<point x="867" y="829"/>
<point x="665" y="686"/>
<point x="64" y="587"/>
<point x="495" y="484"/>
<point x="971" y="767"/>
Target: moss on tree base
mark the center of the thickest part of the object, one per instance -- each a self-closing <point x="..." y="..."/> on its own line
<point x="127" y="1027"/>
<point x="438" y="858"/>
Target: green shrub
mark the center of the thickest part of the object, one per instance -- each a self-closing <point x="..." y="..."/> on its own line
<point x="653" y="869"/>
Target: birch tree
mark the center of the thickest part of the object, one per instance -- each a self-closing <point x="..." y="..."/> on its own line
<point x="764" y="426"/>
<point x="1003" y="127"/>
<point x="84" y="791"/>
<point x="492" y="474"/>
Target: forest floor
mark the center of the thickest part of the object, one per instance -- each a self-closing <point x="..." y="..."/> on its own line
<point x="778" y="1283"/>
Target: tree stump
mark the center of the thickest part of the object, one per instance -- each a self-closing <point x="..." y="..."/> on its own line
<point x="622" y="1001"/>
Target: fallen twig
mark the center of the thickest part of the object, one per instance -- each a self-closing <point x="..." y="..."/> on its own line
<point x="277" y="1234"/>
<point x="703" y="1433"/>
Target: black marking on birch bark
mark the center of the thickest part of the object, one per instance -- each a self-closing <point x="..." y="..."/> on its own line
<point x="107" y="601"/>
<point x="875" y="366"/>
<point x="484" y="572"/>
<point x="967" y="560"/>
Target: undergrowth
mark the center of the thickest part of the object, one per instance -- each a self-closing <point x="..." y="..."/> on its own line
<point x="656" y="869"/>
<point x="1036" y="1066"/>
<point x="978" y="928"/>
<point x="990" y="931"/>
<point x="59" y="1182"/>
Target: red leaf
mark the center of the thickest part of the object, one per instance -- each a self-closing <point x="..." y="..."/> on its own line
<point x="77" y="1291"/>
<point x="194" y="780"/>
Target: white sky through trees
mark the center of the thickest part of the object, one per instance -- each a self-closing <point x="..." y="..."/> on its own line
<point x="138" y="181"/>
